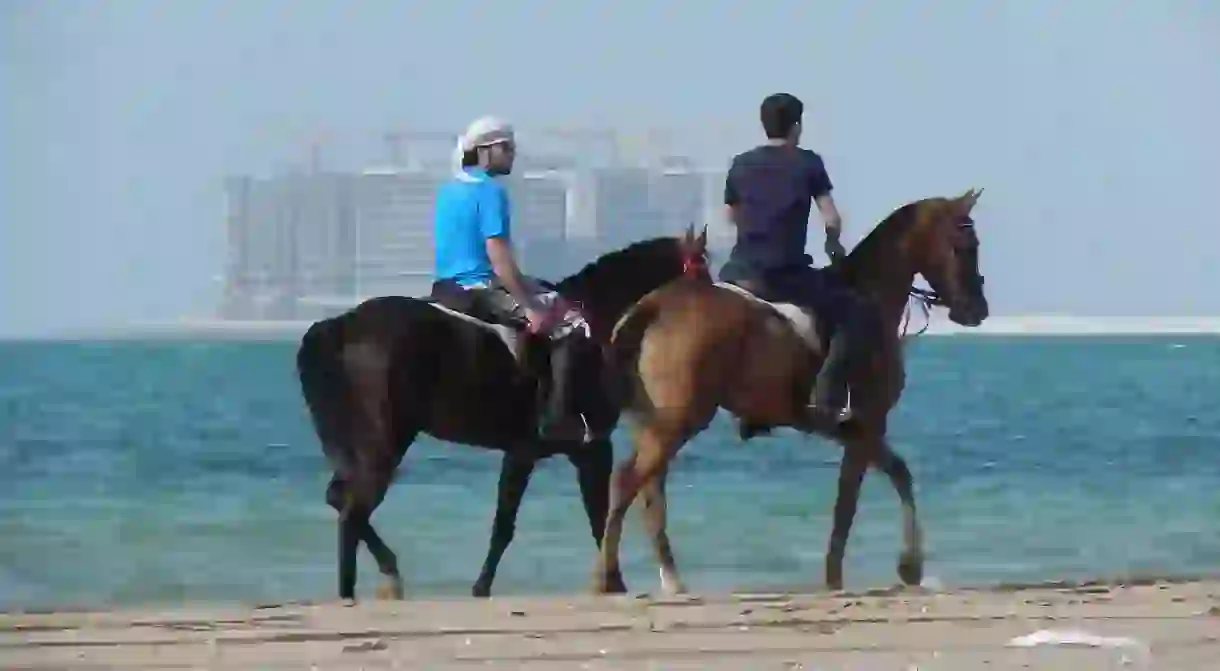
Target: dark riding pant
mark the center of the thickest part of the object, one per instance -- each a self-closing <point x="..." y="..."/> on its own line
<point x="852" y="326"/>
<point x="493" y="305"/>
<point x="834" y="303"/>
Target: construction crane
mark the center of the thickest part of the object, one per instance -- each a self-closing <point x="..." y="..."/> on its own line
<point x="608" y="137"/>
<point x="401" y="144"/>
<point x="315" y="141"/>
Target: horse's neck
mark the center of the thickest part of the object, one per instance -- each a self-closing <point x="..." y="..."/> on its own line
<point x="886" y="276"/>
<point x="603" y="308"/>
<point x="606" y="313"/>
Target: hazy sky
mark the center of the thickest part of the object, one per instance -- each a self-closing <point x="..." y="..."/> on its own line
<point x="1092" y="125"/>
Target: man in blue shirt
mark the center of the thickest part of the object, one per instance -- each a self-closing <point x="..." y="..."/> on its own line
<point x="768" y="191"/>
<point x="475" y="263"/>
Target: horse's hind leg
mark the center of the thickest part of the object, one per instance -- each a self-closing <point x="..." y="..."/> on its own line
<point x="654" y="514"/>
<point x="355" y="526"/>
<point x="910" y="562"/>
<point x="515" y="474"/>
<point x="654" y="447"/>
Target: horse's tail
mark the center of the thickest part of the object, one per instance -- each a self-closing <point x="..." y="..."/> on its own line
<point x="624" y="351"/>
<point x="325" y="387"/>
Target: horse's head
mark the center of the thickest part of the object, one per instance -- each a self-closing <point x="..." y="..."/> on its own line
<point x="945" y="250"/>
<point x="612" y="283"/>
<point x="692" y="249"/>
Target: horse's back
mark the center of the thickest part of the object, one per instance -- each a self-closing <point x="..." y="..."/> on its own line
<point x="705" y="343"/>
<point x="342" y="358"/>
<point x="675" y="339"/>
<point x="403" y="363"/>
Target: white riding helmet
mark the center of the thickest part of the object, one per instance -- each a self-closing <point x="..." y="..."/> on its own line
<point x="486" y="131"/>
<point x="482" y="132"/>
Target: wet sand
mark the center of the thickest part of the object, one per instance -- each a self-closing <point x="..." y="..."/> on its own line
<point x="1171" y="624"/>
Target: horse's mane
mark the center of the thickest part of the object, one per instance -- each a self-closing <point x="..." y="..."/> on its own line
<point x="897" y="223"/>
<point x="614" y="264"/>
<point x="855" y="266"/>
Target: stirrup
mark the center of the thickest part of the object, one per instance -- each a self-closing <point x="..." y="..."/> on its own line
<point x="829" y="415"/>
<point x="586" y="436"/>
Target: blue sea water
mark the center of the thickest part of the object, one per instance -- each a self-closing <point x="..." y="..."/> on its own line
<point x="163" y="472"/>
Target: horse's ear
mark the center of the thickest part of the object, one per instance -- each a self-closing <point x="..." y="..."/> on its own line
<point x="701" y="242"/>
<point x="688" y="238"/>
<point x="968" y="200"/>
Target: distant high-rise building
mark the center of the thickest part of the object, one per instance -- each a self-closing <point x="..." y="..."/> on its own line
<point x="235" y="301"/>
<point x="678" y="197"/>
<point x="325" y="240"/>
<point x="539" y="205"/>
<point x="621" y="208"/>
<point x="541" y="208"/>
<point x="262" y="258"/>
<point x="394" y="232"/>
<point x="308" y="244"/>
<point x="633" y="204"/>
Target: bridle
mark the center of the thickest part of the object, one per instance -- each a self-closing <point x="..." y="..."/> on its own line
<point x="693" y="265"/>
<point x="927" y="299"/>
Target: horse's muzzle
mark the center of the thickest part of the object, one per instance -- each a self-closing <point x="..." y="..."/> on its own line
<point x="969" y="315"/>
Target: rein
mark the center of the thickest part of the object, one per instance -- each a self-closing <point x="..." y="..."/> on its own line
<point x="926" y="299"/>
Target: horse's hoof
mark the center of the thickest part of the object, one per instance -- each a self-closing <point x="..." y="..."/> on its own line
<point x="834" y="578"/>
<point x="480" y="591"/>
<point x="910" y="569"/>
<point x="347" y="602"/>
<point x="390" y="589"/>
<point x="610" y="584"/>
<point x="671" y="585"/>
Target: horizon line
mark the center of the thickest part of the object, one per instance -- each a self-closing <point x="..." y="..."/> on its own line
<point x="1035" y="324"/>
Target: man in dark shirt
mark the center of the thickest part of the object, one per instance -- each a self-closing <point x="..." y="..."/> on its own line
<point x="768" y="191"/>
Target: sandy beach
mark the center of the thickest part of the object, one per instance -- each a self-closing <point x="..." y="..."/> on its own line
<point x="1100" y="625"/>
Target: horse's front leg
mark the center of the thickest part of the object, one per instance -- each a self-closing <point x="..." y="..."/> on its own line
<point x="515" y="471"/>
<point x="910" y="562"/>
<point x="851" y="476"/>
<point x="594" y="464"/>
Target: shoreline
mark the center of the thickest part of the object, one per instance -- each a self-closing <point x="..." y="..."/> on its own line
<point x="1001" y="587"/>
<point x="1149" y="622"/>
<point x="209" y="330"/>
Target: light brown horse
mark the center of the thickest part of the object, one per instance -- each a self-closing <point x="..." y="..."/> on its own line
<point x="691" y="346"/>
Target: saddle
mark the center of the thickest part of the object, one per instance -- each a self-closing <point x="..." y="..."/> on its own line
<point x="514" y="337"/>
<point x="470" y="307"/>
<point x="801" y="319"/>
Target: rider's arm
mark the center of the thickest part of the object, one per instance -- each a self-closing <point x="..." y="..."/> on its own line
<point x="495" y="225"/>
<point x="820" y="188"/>
<point x="731" y="197"/>
<point x="830" y="214"/>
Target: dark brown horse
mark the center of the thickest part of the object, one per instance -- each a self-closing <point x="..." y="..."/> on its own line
<point x="379" y="375"/>
<point x="691" y="347"/>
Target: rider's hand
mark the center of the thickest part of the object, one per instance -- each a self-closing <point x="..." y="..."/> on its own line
<point x="539" y="319"/>
<point x="834" y="247"/>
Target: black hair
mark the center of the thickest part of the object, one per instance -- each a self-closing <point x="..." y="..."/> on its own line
<point x="779" y="113"/>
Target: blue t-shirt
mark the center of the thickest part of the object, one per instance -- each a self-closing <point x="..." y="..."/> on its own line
<point x="467" y="214"/>
<point x="771" y="188"/>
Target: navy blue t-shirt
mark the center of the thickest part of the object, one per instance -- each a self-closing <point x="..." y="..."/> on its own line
<point x="771" y="188"/>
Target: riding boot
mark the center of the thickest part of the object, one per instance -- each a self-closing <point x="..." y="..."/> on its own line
<point x="830" y="390"/>
<point x="558" y="423"/>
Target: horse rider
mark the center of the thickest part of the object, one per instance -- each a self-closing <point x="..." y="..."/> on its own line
<point x="475" y="264"/>
<point x="768" y="192"/>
